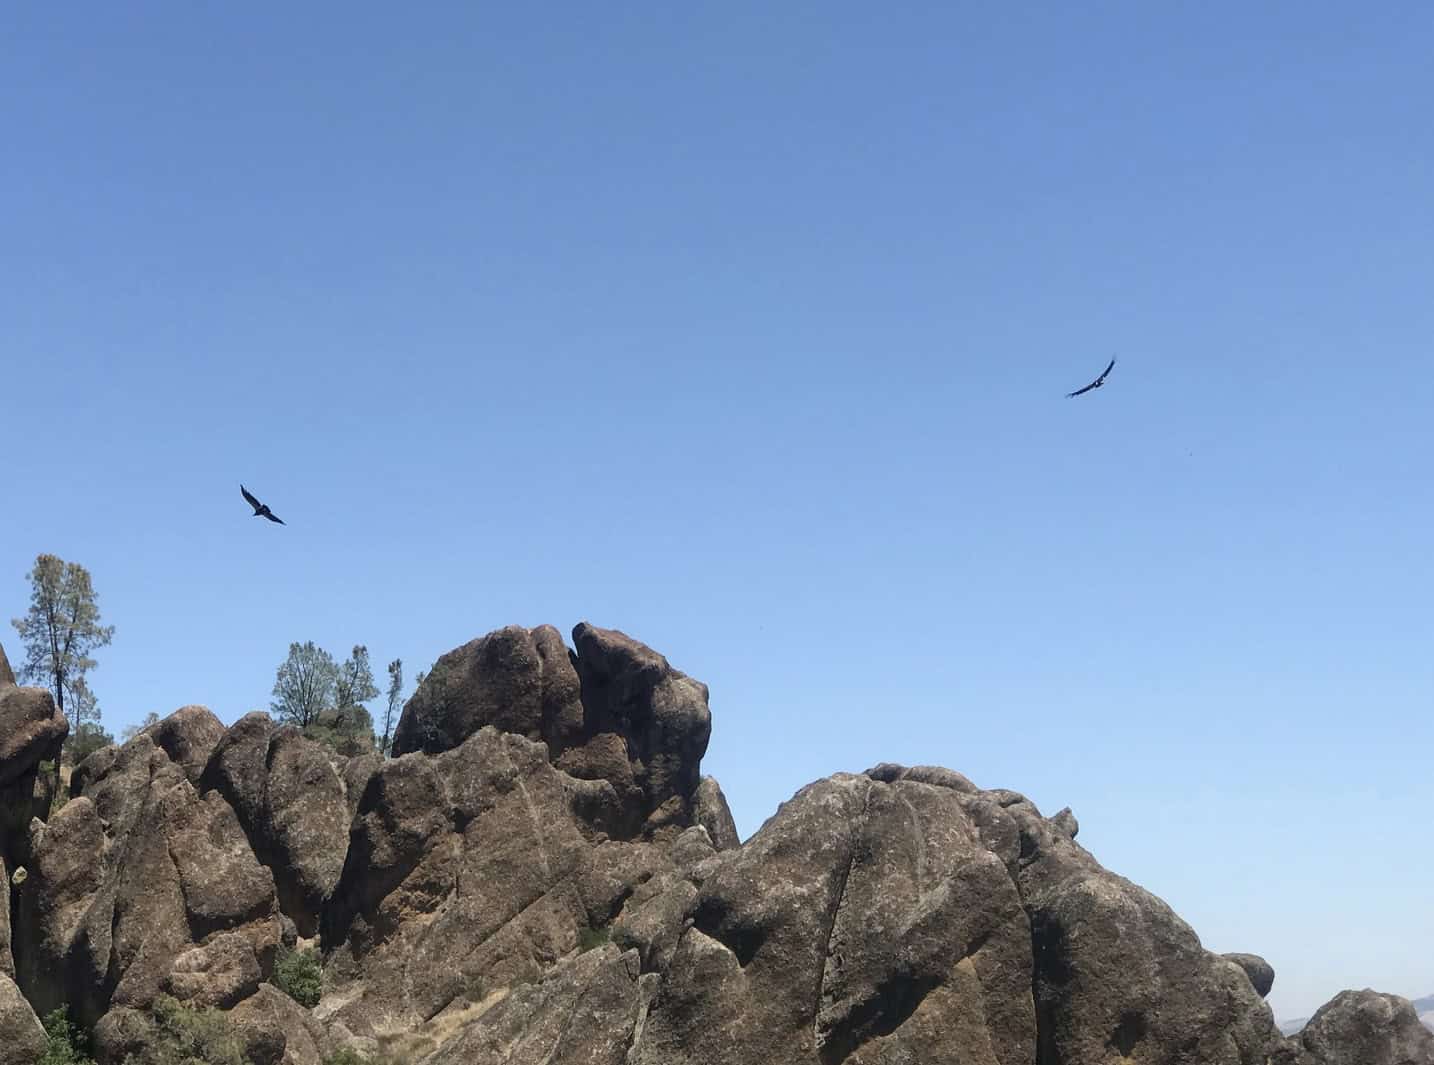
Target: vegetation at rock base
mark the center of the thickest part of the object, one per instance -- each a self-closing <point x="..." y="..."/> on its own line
<point x="65" y="1044"/>
<point x="300" y="975"/>
<point x="350" y="1056"/>
<point x="592" y="938"/>
<point x="186" y="1036"/>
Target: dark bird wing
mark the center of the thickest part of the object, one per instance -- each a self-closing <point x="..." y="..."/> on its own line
<point x="1094" y="384"/>
<point x="249" y="498"/>
<point x="271" y="516"/>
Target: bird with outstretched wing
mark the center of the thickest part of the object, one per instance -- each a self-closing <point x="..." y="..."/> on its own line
<point x="1094" y="384"/>
<point x="261" y="510"/>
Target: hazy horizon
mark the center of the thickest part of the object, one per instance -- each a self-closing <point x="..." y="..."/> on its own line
<point x="748" y="332"/>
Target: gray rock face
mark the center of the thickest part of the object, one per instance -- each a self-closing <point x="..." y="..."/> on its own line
<point x="127" y="879"/>
<point x="1260" y="972"/>
<point x="467" y="872"/>
<point x="1366" y="1028"/>
<point x="865" y="922"/>
<point x="22" y="1040"/>
<point x="294" y="806"/>
<point x="534" y="1024"/>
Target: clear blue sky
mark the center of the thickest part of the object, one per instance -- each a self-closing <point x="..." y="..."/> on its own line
<point x="747" y="332"/>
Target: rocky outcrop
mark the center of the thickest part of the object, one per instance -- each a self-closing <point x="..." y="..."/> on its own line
<point x="543" y="877"/>
<point x="1366" y="1028"/>
<point x="294" y="805"/>
<point x="105" y="917"/>
<point x="276" y="1030"/>
<point x="534" y="1024"/>
<point x="710" y="810"/>
<point x="22" y="1040"/>
<point x="613" y="711"/>
<point x="866" y="921"/>
<point x="188" y="736"/>
<point x="1115" y="970"/>
<point x="1259" y="971"/>
<point x="473" y="869"/>
<point x="516" y="680"/>
<point x="32" y="731"/>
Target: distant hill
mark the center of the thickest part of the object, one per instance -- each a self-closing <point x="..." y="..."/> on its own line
<point x="1424" y="1006"/>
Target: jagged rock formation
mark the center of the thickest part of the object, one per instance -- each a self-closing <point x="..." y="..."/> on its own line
<point x="31" y="731"/>
<point x="543" y="877"/>
<point x="613" y="711"/>
<point x="22" y="1040"/>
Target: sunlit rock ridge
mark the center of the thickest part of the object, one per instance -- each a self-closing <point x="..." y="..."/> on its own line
<point x="543" y="876"/>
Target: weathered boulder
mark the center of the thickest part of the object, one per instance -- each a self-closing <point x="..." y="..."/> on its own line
<point x="517" y="680"/>
<point x="650" y="716"/>
<point x="614" y="711"/>
<point x="22" y="1039"/>
<point x="276" y="1030"/>
<point x="1367" y="1028"/>
<point x="294" y="805"/>
<point x="864" y="922"/>
<point x="1260" y="972"/>
<point x="32" y="730"/>
<point x="189" y="736"/>
<point x="222" y="973"/>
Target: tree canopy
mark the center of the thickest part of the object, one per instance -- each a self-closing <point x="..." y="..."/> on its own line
<point x="59" y="632"/>
<point x="326" y="698"/>
<point x="305" y="685"/>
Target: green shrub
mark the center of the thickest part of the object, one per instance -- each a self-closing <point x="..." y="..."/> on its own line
<point x="86" y="740"/>
<point x="64" y="1043"/>
<point x="187" y="1036"/>
<point x="300" y="975"/>
<point x="350" y="1056"/>
<point x="592" y="938"/>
